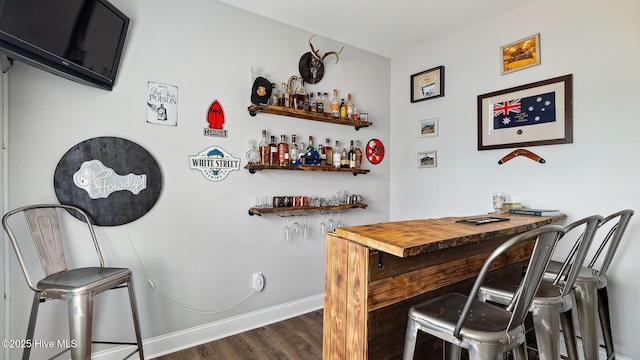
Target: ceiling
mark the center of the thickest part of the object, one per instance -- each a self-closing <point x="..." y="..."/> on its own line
<point x="383" y="27"/>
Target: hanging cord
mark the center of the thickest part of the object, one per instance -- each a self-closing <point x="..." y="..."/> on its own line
<point x="174" y="302"/>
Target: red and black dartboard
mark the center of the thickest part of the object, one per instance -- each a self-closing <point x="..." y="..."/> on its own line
<point x="374" y="151"/>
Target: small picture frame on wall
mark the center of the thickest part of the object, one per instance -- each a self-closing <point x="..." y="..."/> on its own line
<point x="428" y="84"/>
<point x="427" y="159"/>
<point x="428" y="127"/>
<point x="520" y="54"/>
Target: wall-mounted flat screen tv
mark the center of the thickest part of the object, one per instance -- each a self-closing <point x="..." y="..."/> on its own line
<point x="81" y="40"/>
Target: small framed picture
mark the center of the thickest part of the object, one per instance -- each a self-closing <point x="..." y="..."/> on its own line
<point x="428" y="84"/>
<point x="427" y="159"/>
<point x="363" y="117"/>
<point x="428" y="127"/>
<point x="520" y="54"/>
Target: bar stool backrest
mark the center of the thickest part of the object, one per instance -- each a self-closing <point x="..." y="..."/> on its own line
<point x="612" y="239"/>
<point x="546" y="239"/>
<point x="44" y="228"/>
<point x="570" y="269"/>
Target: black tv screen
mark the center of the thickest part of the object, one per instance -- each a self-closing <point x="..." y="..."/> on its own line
<point x="78" y="39"/>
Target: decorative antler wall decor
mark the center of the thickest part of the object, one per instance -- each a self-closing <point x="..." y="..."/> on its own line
<point x="311" y="65"/>
<point x="523" y="152"/>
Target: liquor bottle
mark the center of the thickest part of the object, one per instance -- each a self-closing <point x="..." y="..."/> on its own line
<point x="344" y="159"/>
<point x="301" y="97"/>
<point x="274" y="95"/>
<point x="359" y="154"/>
<point x="310" y="146"/>
<point x="313" y="103"/>
<point x="356" y="115"/>
<point x="283" y="151"/>
<point x="281" y="96"/>
<point x="343" y="109"/>
<point x="263" y="146"/>
<point x="349" y="107"/>
<point x="323" y="155"/>
<point x="335" y="104"/>
<point x="352" y="157"/>
<point x="328" y="151"/>
<point x="326" y="103"/>
<point x="273" y="152"/>
<point x="320" y="103"/>
<point x="336" y="155"/>
<point x="293" y="156"/>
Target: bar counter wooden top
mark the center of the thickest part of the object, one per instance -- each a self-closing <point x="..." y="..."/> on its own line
<point x="407" y="238"/>
<point x="374" y="273"/>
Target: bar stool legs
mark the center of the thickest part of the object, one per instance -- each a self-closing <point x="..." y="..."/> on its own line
<point x="80" y="325"/>
<point x="587" y="306"/>
<point x="605" y="322"/>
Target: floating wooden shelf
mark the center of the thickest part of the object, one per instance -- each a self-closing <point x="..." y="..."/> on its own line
<point x="301" y="114"/>
<point x="253" y="168"/>
<point x="304" y="209"/>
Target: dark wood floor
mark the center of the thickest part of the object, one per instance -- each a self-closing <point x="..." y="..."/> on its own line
<point x="293" y="339"/>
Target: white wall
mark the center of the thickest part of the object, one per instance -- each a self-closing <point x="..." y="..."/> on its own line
<point x="197" y="243"/>
<point x="595" y="41"/>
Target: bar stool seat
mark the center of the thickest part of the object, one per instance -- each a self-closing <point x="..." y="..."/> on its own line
<point x="554" y="300"/>
<point x="590" y="286"/>
<point x="76" y="286"/>
<point x="486" y="330"/>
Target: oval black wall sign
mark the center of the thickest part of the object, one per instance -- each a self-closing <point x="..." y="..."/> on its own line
<point x="114" y="180"/>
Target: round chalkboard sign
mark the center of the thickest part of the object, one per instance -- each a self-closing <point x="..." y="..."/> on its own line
<point x="114" y="180"/>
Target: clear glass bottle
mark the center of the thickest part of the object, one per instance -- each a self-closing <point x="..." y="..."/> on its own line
<point x="301" y="97"/>
<point x="335" y="104"/>
<point x="359" y="154"/>
<point x="320" y="103"/>
<point x="252" y="155"/>
<point x="293" y="156"/>
<point x="349" y="107"/>
<point x="283" y="151"/>
<point x="274" y="95"/>
<point x="273" y="152"/>
<point x="336" y="155"/>
<point x="263" y="147"/>
<point x="326" y="103"/>
<point x="352" y="157"/>
<point x="313" y="103"/>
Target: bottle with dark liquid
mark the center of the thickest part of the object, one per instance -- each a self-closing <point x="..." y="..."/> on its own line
<point x="352" y="157"/>
<point x="359" y="154"/>
<point x="273" y="152"/>
<point x="283" y="151"/>
<point x="328" y="151"/>
<point x="319" y="104"/>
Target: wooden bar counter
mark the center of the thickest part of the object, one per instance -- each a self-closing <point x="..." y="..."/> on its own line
<point x="374" y="273"/>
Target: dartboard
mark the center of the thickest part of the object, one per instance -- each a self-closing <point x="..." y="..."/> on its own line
<point x="375" y="151"/>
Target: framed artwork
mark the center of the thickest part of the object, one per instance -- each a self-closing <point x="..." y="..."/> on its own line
<point x="428" y="84"/>
<point x="520" y="54"/>
<point x="539" y="113"/>
<point x="427" y="159"/>
<point x="428" y="127"/>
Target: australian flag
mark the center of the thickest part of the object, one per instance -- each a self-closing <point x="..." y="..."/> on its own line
<point x="530" y="110"/>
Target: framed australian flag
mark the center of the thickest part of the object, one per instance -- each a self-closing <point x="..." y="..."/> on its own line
<point x="539" y="113"/>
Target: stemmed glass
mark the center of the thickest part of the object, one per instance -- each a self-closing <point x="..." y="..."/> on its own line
<point x="286" y="231"/>
<point x="296" y="228"/>
<point x="322" y="227"/>
<point x="305" y="228"/>
<point x="331" y="225"/>
<point x="339" y="223"/>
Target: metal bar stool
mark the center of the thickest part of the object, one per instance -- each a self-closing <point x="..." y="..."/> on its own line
<point x="591" y="286"/>
<point x="76" y="286"/>
<point x="553" y="302"/>
<point x="486" y="330"/>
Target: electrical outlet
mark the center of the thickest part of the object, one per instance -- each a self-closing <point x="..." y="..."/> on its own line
<point x="258" y="281"/>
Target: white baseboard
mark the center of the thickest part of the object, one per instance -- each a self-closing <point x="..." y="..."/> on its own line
<point x="187" y="338"/>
